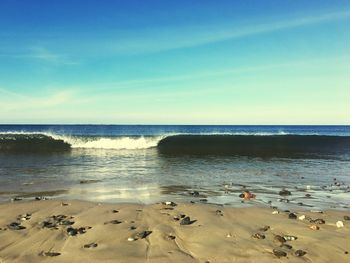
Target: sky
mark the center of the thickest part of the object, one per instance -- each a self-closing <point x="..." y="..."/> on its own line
<point x="175" y="62"/>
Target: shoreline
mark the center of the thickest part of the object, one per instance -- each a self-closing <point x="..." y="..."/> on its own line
<point x="71" y="230"/>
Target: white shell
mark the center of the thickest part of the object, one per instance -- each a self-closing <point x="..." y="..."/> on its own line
<point x="340" y="224"/>
<point x="302" y="217"/>
<point x="275" y="212"/>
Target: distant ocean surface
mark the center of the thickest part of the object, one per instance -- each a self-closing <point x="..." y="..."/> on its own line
<point x="150" y="163"/>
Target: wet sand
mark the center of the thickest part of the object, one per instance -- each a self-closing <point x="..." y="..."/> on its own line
<point x="92" y="232"/>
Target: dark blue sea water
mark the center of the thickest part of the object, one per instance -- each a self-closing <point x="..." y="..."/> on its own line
<point x="136" y="163"/>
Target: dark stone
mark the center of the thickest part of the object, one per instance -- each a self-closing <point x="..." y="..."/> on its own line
<point x="15" y="226"/>
<point x="308" y="195"/>
<point x="287" y="246"/>
<point x="258" y="236"/>
<point x="115" y="211"/>
<point x="279" y="239"/>
<point x="300" y="253"/>
<point x="292" y="216"/>
<point x="265" y="228"/>
<point x="284" y="192"/>
<point x="50" y="254"/>
<point x="143" y="234"/>
<point x="187" y="221"/>
<point x="132" y="227"/>
<point x="194" y="193"/>
<point x="91" y="245"/>
<point x="219" y="212"/>
<point x="72" y="231"/>
<point x="66" y="223"/>
<point x="279" y="253"/>
<point x="346" y="217"/>
<point x="318" y="221"/>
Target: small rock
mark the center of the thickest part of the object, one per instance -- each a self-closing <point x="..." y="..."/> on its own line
<point x="15" y="199"/>
<point x="314" y="227"/>
<point x="170" y="237"/>
<point x="340" y="224"/>
<point x="318" y="221"/>
<point x="287" y="246"/>
<point x="258" y="236"/>
<point x="290" y="238"/>
<point x="169" y="203"/>
<point x="275" y="212"/>
<point x="15" y="226"/>
<point x="187" y="221"/>
<point x="132" y="227"/>
<point x="91" y="245"/>
<point x="279" y="253"/>
<point x="279" y="239"/>
<point x="143" y="234"/>
<point x="114" y="222"/>
<point x="300" y="253"/>
<point x="49" y="254"/>
<point x="115" y="211"/>
<point x="292" y="216"/>
<point x="265" y="228"/>
<point x="302" y="217"/>
<point x="308" y="195"/>
<point x="284" y="192"/>
<point x="131" y="239"/>
<point x="219" y="212"/>
<point x="194" y="193"/>
<point x="64" y="204"/>
<point x="346" y="218"/>
<point x="72" y="231"/>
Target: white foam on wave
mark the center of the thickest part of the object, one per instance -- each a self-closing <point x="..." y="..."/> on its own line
<point x="118" y="143"/>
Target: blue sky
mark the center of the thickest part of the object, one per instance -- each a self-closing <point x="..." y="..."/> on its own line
<point x="175" y="62"/>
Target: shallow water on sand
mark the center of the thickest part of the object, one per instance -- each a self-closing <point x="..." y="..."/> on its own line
<point x="145" y="176"/>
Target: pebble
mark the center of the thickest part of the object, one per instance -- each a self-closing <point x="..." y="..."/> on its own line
<point x="131" y="239"/>
<point x="91" y="245"/>
<point x="308" y="195"/>
<point x="114" y="222"/>
<point x="15" y="226"/>
<point x="279" y="253"/>
<point x="194" y="193"/>
<point x="346" y="217"/>
<point x="64" y="204"/>
<point x="49" y="254"/>
<point x="290" y="238"/>
<point x="292" y="216"/>
<point x="258" y="236"/>
<point x="170" y="237"/>
<point x="287" y="246"/>
<point x="265" y="228"/>
<point x="219" y="213"/>
<point x="143" y="234"/>
<point x="132" y="227"/>
<point x="170" y="203"/>
<point x="300" y="253"/>
<point x="24" y="217"/>
<point x="318" y="221"/>
<point x="284" y="192"/>
<point x="340" y="224"/>
<point x="279" y="239"/>
<point x="275" y="212"/>
<point x="314" y="227"/>
<point x="187" y="221"/>
<point x="115" y="211"/>
<point x="15" y="199"/>
<point x="302" y="217"/>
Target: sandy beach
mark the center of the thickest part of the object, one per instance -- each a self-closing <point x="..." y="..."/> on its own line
<point x="76" y="231"/>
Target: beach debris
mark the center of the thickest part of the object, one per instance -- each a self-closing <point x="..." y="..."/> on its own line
<point x="302" y="217"/>
<point x="15" y="226"/>
<point x="346" y="218"/>
<point x="113" y="222"/>
<point x="55" y="220"/>
<point x="264" y="228"/>
<point x="279" y="253"/>
<point x="49" y="254"/>
<point x="299" y="253"/>
<point x="275" y="212"/>
<point x="187" y="221"/>
<point x="15" y="199"/>
<point x="169" y="203"/>
<point x="284" y="192"/>
<point x="246" y="195"/>
<point x="90" y="245"/>
<point x="290" y="238"/>
<point x="314" y="227"/>
<point x="292" y="216"/>
<point x="339" y="224"/>
<point x="258" y="236"/>
<point x="318" y="221"/>
<point x="219" y="213"/>
<point x="279" y="239"/>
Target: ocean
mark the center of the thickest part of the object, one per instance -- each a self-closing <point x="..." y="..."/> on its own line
<point x="152" y="163"/>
